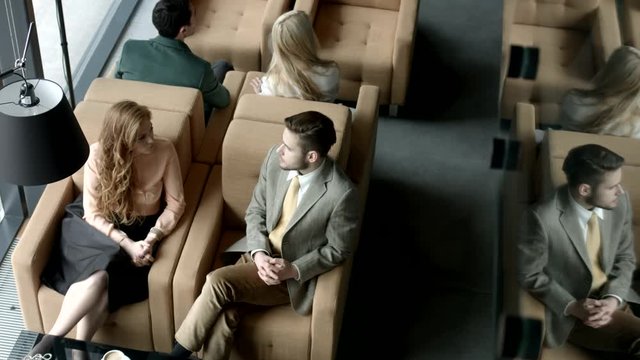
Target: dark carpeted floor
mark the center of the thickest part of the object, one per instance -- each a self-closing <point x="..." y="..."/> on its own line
<point x="423" y="284"/>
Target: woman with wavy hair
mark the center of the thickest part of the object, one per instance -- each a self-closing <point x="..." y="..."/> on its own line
<point x="612" y="105"/>
<point x="132" y="197"/>
<point x="295" y="69"/>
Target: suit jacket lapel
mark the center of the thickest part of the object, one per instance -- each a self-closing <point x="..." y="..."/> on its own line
<point x="281" y="192"/>
<point x="568" y="219"/>
<point x="315" y="191"/>
<point x="605" y="240"/>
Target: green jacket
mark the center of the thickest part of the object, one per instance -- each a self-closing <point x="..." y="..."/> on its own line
<point x="169" y="61"/>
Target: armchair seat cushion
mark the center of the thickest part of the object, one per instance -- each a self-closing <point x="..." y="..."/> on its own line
<point x="361" y="41"/>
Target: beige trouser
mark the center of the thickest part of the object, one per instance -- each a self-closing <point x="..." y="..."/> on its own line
<point x="213" y="318"/>
<point x="618" y="335"/>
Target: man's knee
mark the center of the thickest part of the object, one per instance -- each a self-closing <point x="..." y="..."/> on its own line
<point x="97" y="280"/>
<point x="220" y="69"/>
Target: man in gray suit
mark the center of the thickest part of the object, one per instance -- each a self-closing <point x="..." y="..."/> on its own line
<point x="576" y="255"/>
<point x="302" y="221"/>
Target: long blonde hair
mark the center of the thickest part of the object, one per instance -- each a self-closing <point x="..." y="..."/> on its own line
<point x="294" y="55"/>
<point x="616" y="90"/>
<point x="115" y="170"/>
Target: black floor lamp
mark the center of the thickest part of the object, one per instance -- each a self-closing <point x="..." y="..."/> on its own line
<point x="40" y="138"/>
<point x="65" y="52"/>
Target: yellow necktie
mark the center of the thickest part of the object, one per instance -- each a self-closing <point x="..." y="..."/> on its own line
<point x="288" y="208"/>
<point x="594" y="247"/>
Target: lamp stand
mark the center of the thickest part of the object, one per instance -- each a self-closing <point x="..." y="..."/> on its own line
<point x="23" y="202"/>
<point x="65" y="52"/>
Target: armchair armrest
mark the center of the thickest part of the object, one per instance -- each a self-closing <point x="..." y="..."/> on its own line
<point x="199" y="250"/>
<point x="308" y="6"/>
<point x="605" y="32"/>
<point x="523" y="130"/>
<point x="219" y="121"/>
<point x="273" y="10"/>
<point x="403" y="50"/>
<point x="328" y="307"/>
<point x="34" y="247"/>
<point x="531" y="307"/>
<point x="163" y="269"/>
<point x="246" y="87"/>
<point x="363" y="139"/>
<point x="631" y="27"/>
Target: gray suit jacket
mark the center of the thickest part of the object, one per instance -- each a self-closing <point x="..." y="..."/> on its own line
<point x="323" y="230"/>
<point x="554" y="264"/>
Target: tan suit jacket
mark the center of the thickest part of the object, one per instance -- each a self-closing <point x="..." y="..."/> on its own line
<point x="554" y="264"/>
<point x="321" y="233"/>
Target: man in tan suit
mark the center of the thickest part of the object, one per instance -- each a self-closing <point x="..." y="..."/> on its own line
<point x="302" y="221"/>
<point x="576" y="255"/>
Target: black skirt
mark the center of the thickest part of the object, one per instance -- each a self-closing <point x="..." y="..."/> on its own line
<point x="82" y="250"/>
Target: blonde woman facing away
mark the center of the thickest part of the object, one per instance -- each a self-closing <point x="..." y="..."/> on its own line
<point x="132" y="197"/>
<point x="612" y="105"/>
<point x="295" y="69"/>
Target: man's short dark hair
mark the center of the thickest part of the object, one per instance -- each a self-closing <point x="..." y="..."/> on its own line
<point x="170" y="15"/>
<point x="587" y="164"/>
<point x="315" y="129"/>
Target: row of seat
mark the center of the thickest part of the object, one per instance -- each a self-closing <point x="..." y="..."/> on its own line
<point x="371" y="40"/>
<point x="574" y="38"/>
<point x="220" y="166"/>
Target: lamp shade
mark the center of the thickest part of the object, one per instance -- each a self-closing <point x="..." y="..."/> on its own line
<point x="40" y="138"/>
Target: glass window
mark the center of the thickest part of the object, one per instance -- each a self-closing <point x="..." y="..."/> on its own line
<point x="92" y="30"/>
<point x="82" y="20"/>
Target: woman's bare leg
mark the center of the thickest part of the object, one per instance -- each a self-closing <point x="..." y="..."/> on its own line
<point x="80" y="300"/>
<point x="89" y="324"/>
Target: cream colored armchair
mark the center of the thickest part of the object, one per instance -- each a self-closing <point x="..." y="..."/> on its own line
<point x="277" y="332"/>
<point x="236" y="31"/>
<point x="177" y="114"/>
<point x="574" y="37"/>
<point x="372" y="41"/>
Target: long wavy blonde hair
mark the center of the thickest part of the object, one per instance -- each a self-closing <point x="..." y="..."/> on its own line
<point x="616" y="90"/>
<point x="115" y="168"/>
<point x="294" y="55"/>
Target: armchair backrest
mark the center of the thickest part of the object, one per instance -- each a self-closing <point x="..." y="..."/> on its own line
<point x="174" y="110"/>
<point x="162" y="100"/>
<point x="236" y="31"/>
<point x="567" y="14"/>
<point x="257" y="125"/>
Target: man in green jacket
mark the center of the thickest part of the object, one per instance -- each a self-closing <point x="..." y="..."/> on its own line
<point x="166" y="59"/>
